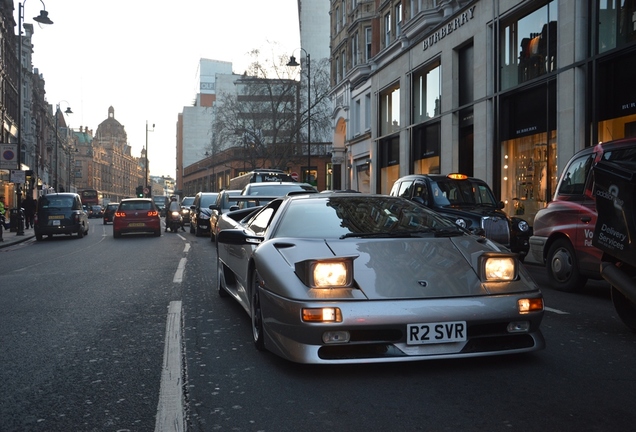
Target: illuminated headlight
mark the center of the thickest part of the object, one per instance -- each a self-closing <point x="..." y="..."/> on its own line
<point x="461" y="222"/>
<point x="498" y="268"/>
<point x="530" y="305"/>
<point x="175" y="213"/>
<point x="328" y="273"/>
<point x="322" y="315"/>
<point x="523" y="226"/>
<point x="185" y="211"/>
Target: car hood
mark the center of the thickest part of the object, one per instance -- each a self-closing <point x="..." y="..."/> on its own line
<point x="205" y="211"/>
<point x="405" y="268"/>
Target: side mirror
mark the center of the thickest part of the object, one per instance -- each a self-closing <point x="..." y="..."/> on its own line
<point x="501" y="204"/>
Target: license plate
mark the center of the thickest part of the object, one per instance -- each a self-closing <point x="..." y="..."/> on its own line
<point x="56" y="217"/>
<point x="433" y="333"/>
<point x="56" y="222"/>
<point x="136" y="224"/>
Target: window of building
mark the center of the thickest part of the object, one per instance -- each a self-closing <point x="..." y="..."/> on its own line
<point x="616" y="24"/>
<point x="367" y="111"/>
<point x="337" y="18"/>
<point x="398" y="19"/>
<point x="337" y="70"/>
<point x="343" y="63"/>
<point x="367" y="43"/>
<point x="529" y="46"/>
<point x="426" y="148"/>
<point x="390" y="110"/>
<point x="387" y="29"/>
<point x="427" y="93"/>
<point x="344" y="14"/>
<point x="354" y="49"/>
<point x="356" y="117"/>
<point x="616" y="101"/>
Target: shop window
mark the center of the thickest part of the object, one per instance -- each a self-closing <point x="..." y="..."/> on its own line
<point x="390" y="110"/>
<point x="616" y="100"/>
<point x="616" y="24"/>
<point x="389" y="162"/>
<point x="426" y="149"/>
<point x="529" y="46"/>
<point x="427" y="93"/>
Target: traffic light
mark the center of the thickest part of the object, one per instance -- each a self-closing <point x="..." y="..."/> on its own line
<point x="140" y="191"/>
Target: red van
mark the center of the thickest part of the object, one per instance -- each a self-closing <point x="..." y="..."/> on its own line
<point x="563" y="230"/>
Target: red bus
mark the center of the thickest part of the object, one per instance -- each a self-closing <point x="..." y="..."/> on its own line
<point x="90" y="197"/>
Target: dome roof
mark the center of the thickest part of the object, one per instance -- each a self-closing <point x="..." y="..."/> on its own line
<point x="111" y="126"/>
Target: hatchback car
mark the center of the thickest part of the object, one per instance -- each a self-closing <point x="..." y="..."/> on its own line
<point x="96" y="211"/>
<point x="563" y="230"/>
<point x="200" y="213"/>
<point x="109" y="212"/>
<point x="60" y="213"/>
<point x="136" y="215"/>
<point x="222" y="205"/>
<point x="470" y="203"/>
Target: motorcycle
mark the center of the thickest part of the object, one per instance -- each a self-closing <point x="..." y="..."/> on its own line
<point x="174" y="221"/>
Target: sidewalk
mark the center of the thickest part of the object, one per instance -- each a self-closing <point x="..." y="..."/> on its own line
<point x="10" y="238"/>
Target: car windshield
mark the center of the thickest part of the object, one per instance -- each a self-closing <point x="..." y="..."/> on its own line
<point x="461" y="192"/>
<point x="56" y="202"/>
<point x="356" y="216"/>
<point x="187" y="201"/>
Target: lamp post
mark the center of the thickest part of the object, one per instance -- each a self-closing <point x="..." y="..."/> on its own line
<point x="43" y="18"/>
<point x="57" y="112"/>
<point x="148" y="194"/>
<point x="293" y="62"/>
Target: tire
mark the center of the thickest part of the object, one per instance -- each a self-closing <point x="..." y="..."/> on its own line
<point x="197" y="232"/>
<point x="257" y="314"/>
<point x="563" y="267"/>
<point x="220" y="280"/>
<point x="157" y="233"/>
<point x="80" y="233"/>
<point x="625" y="309"/>
<point x="191" y="228"/>
<point x="116" y="234"/>
<point x="38" y="237"/>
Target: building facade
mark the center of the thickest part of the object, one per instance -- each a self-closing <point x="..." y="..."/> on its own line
<point x="503" y="90"/>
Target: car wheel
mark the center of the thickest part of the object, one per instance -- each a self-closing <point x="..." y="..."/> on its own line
<point x="157" y="233"/>
<point x="104" y="221"/>
<point x="563" y="268"/>
<point x="197" y="231"/>
<point x="80" y="233"/>
<point x="116" y="234"/>
<point x="38" y="237"/>
<point x="257" y="314"/>
<point x="220" y="280"/>
<point x="191" y="228"/>
<point x="625" y="309"/>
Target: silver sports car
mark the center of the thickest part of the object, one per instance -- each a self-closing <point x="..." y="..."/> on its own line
<point x="352" y="278"/>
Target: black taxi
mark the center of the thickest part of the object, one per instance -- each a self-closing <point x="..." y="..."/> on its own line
<point x="470" y="203"/>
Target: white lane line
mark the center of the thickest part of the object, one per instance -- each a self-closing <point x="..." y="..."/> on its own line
<point x="557" y="311"/>
<point x="186" y="248"/>
<point x="170" y="407"/>
<point x="178" y="275"/>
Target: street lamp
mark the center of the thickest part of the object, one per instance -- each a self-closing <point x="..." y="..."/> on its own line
<point x="148" y="194"/>
<point x="57" y="112"/>
<point x="43" y="18"/>
<point x="294" y="63"/>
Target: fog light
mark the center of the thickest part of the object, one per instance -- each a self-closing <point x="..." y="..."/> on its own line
<point x="519" y="327"/>
<point x="335" y="337"/>
<point x="530" y="305"/>
<point x="327" y="314"/>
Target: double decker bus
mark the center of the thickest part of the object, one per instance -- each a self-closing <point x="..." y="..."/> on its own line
<point x="90" y="196"/>
<point x="259" y="176"/>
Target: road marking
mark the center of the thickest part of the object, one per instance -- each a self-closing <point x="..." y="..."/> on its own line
<point x="557" y="311"/>
<point x="186" y="249"/>
<point x="170" y="407"/>
<point x="178" y="275"/>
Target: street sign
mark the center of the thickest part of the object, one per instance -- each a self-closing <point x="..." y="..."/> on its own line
<point x="294" y="175"/>
<point x="9" y="156"/>
<point x="146" y="190"/>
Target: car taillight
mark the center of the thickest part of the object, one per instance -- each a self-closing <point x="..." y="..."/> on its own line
<point x="120" y="214"/>
<point x="153" y="213"/>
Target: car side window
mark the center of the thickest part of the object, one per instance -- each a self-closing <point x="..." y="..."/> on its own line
<point x="574" y="179"/>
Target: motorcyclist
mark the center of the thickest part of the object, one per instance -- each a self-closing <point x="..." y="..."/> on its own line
<point x="174" y="206"/>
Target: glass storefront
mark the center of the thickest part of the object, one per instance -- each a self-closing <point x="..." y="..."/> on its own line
<point x="617" y="98"/>
<point x="617" y="24"/>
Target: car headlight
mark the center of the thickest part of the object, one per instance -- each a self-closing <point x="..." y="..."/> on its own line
<point x="523" y="226"/>
<point x="175" y="213"/>
<point x="461" y="222"/>
<point x="327" y="273"/>
<point x="498" y="268"/>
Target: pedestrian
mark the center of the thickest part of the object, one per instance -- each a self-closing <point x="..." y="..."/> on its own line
<point x="2" y="219"/>
<point x="29" y="211"/>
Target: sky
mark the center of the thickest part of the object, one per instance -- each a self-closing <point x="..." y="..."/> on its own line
<point x="141" y="57"/>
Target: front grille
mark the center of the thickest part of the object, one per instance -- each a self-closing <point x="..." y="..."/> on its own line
<point x="496" y="229"/>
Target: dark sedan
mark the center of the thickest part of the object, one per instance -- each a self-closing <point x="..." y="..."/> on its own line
<point x="60" y="213"/>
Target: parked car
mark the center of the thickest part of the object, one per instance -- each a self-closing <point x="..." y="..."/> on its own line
<point x="109" y="212"/>
<point x="96" y="211"/>
<point x="346" y="278"/>
<point x="60" y="213"/>
<point x="186" y="202"/>
<point x="563" y="230"/>
<point x="224" y="201"/>
<point x="470" y="203"/>
<point x="200" y="213"/>
<point x="136" y="215"/>
<point x="271" y="189"/>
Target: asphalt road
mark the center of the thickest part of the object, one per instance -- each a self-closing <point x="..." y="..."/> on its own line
<point x="82" y="337"/>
